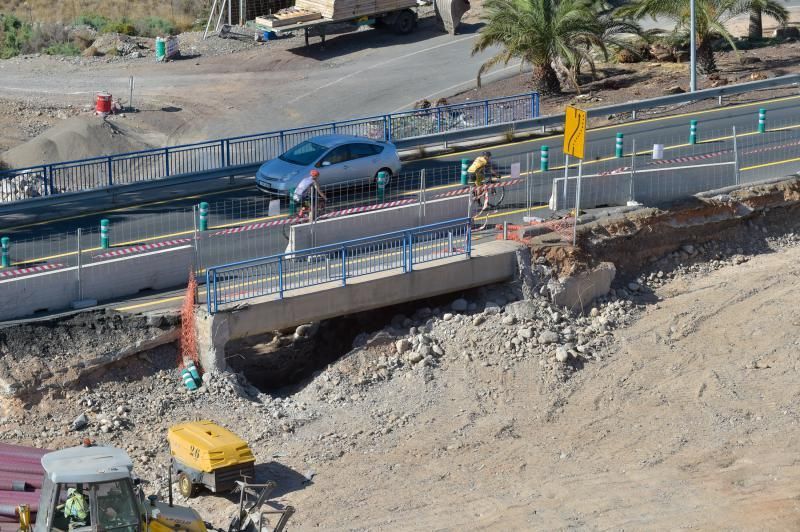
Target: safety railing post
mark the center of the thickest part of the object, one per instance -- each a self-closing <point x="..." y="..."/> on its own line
<point x="438" y="119"/>
<point x="735" y="158"/>
<point x="469" y="239"/>
<point x="280" y="277"/>
<point x="166" y="162"/>
<point x="222" y="154"/>
<point x="403" y="255"/>
<point x="387" y="126"/>
<point x="486" y="112"/>
<point x="533" y="105"/>
<point x="80" y="265"/>
<point x="344" y="266"/>
<point x="410" y="252"/>
<point x="631" y="190"/>
<point x="216" y="295"/>
<point x="282" y="141"/>
<point x="109" y="171"/>
<point x="208" y="289"/>
<point x="48" y="172"/>
<point x="5" y="242"/>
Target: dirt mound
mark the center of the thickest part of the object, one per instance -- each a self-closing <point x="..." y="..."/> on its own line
<point x="76" y="138"/>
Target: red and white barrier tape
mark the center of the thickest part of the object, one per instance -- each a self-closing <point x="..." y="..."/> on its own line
<point x="142" y="248"/>
<point x="4" y="274"/>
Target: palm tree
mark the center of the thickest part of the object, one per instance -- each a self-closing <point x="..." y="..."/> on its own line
<point x="710" y="19"/>
<point x="755" y="31"/>
<point x="547" y="34"/>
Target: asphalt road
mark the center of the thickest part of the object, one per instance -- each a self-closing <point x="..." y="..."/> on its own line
<point x="770" y="154"/>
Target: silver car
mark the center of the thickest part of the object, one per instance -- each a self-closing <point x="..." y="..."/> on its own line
<point x="340" y="159"/>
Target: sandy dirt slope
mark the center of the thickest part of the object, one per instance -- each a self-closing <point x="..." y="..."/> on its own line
<point x="691" y="422"/>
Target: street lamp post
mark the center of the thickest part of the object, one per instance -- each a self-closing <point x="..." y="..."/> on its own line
<point x="692" y="49"/>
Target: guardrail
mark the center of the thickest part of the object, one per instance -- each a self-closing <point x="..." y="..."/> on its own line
<point x="244" y="153"/>
<point x="633" y="107"/>
<point x="278" y="274"/>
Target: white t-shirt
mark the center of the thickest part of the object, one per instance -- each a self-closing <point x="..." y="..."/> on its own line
<point x="302" y="187"/>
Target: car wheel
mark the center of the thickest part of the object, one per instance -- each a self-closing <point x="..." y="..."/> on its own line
<point x="388" y="177"/>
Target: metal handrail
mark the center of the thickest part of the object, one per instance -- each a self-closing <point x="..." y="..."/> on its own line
<point x="407" y="235"/>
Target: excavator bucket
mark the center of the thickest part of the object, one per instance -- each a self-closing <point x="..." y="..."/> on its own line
<point x="450" y="13"/>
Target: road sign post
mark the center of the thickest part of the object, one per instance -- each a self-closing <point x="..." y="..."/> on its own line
<point x="574" y="144"/>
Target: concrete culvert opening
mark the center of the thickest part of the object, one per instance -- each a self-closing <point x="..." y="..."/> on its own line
<point x="289" y="358"/>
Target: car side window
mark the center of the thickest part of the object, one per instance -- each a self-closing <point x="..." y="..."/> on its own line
<point x="337" y="155"/>
<point x="364" y="150"/>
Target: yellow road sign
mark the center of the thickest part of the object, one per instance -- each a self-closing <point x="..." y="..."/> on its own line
<point x="574" y="131"/>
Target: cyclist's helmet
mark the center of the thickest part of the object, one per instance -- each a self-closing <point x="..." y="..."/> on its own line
<point x="314" y="173"/>
<point x="487" y="154"/>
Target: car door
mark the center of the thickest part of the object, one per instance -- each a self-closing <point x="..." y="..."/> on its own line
<point x="365" y="162"/>
<point x="334" y="167"/>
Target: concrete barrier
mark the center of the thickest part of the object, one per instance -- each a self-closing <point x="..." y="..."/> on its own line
<point x="110" y="279"/>
<point x="324" y="232"/>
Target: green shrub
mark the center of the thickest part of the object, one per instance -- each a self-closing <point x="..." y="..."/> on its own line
<point x="154" y="27"/>
<point x="119" y="26"/>
<point x="44" y="36"/>
<point x="14" y="34"/>
<point x="64" y="48"/>
<point x="91" y="19"/>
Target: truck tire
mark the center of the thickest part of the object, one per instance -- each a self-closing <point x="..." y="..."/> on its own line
<point x="186" y="487"/>
<point x="405" y="22"/>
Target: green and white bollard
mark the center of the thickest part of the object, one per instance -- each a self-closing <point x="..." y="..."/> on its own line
<point x="104" y="226"/>
<point x="693" y="132"/>
<point x="762" y="120"/>
<point x="544" y="159"/>
<point x="6" y="245"/>
<point x="292" y="205"/>
<point x="381" y="186"/>
<point x="618" y="146"/>
<point x="203" y="216"/>
<point x="464" y="173"/>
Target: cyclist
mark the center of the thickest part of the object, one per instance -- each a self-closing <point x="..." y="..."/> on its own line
<point x="477" y="169"/>
<point x="312" y="181"/>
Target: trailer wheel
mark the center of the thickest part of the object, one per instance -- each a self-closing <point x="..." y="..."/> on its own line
<point x="405" y="22"/>
<point x="186" y="487"/>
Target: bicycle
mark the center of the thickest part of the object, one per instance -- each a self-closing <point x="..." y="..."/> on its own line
<point x="488" y="195"/>
<point x="303" y="215"/>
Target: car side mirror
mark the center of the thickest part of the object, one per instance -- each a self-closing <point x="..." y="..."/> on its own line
<point x="325" y="163"/>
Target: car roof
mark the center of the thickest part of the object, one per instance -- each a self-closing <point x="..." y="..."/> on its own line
<point x="330" y="141"/>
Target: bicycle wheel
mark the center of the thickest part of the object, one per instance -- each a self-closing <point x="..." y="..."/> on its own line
<point x="496" y="195"/>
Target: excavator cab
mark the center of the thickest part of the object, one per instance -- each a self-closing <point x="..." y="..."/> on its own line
<point x="91" y="489"/>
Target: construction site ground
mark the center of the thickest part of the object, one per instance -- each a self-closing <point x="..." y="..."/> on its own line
<point x="671" y="403"/>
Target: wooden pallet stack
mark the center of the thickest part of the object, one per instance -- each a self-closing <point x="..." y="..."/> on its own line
<point x="290" y="15"/>
<point x="346" y="9"/>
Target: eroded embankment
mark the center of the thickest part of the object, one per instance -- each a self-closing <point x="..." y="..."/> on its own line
<point x="721" y="223"/>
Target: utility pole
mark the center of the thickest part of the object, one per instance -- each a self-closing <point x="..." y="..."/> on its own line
<point x="692" y="49"/>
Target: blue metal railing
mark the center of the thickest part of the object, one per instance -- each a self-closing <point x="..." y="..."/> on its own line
<point x="151" y="165"/>
<point x="339" y="262"/>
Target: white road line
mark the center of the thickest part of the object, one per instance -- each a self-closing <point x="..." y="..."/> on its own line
<point x="376" y="65"/>
<point x="457" y="85"/>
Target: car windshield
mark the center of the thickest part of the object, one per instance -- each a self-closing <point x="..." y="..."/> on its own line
<point x="116" y="507"/>
<point x="304" y="154"/>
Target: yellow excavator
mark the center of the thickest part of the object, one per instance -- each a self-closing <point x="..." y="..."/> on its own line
<point x="92" y="489"/>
